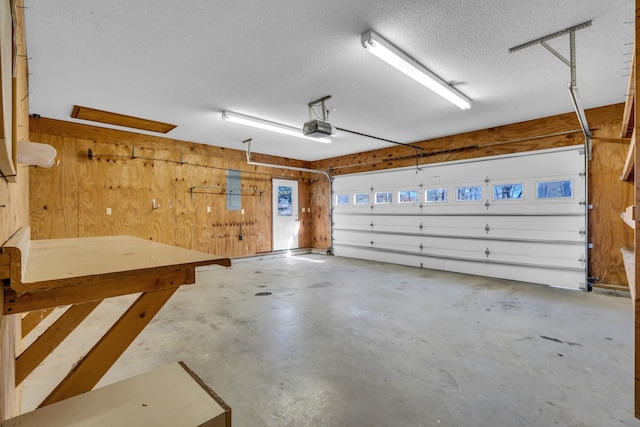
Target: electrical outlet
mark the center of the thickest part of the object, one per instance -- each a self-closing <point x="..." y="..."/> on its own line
<point x="240" y="237"/>
<point x="208" y="209"/>
<point x="108" y="211"/>
<point x="242" y="211"/>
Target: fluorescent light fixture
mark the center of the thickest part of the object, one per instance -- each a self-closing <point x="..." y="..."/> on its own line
<point x="268" y="125"/>
<point x="393" y="56"/>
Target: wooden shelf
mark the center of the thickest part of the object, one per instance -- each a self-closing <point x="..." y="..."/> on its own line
<point x="169" y="395"/>
<point x="629" y="163"/>
<point x="629" y="221"/>
<point x="629" y="259"/>
<point x="81" y="272"/>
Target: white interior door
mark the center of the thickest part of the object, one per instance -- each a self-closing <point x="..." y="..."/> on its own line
<point x="285" y="214"/>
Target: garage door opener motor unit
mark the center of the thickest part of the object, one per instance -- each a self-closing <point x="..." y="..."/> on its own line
<point x="319" y="126"/>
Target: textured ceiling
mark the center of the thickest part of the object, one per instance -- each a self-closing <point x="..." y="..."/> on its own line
<point x="186" y="62"/>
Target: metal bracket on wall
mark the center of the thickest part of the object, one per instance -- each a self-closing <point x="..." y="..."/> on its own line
<point x="223" y="191"/>
<point x="571" y="63"/>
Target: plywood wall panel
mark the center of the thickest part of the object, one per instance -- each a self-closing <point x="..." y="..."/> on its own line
<point x="14" y="214"/>
<point x="127" y="178"/>
<point x="609" y="197"/>
<point x="319" y="217"/>
<point x="162" y="219"/>
<point x="113" y="180"/>
<point x="54" y="192"/>
<point x="183" y="210"/>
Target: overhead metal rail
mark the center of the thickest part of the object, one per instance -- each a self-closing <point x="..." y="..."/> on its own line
<point x="571" y="63"/>
<point x="575" y="100"/>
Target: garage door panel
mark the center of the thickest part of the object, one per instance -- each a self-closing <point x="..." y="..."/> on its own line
<point x="526" y="210"/>
<point x="566" y="255"/>
<point x="551" y="228"/>
<point x="563" y="278"/>
<point x="508" y="251"/>
<point x="351" y="222"/>
<point x="484" y="207"/>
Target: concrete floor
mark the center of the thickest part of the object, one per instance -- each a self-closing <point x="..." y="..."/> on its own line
<point x="343" y="342"/>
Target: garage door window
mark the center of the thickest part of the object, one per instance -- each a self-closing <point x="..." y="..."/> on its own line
<point x="383" y="198"/>
<point x="362" y="198"/>
<point x="342" y="199"/>
<point x="469" y="194"/>
<point x="554" y="189"/>
<point x="507" y="192"/>
<point x="435" y="195"/>
<point x="408" y="196"/>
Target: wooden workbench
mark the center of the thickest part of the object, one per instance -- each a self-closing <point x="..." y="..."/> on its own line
<point x="81" y="272"/>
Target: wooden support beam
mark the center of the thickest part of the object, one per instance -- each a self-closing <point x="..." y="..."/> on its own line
<point x="636" y="307"/>
<point x="53" y="336"/>
<point x="101" y="116"/>
<point x="5" y="266"/>
<point x="629" y="163"/>
<point x="17" y="249"/>
<point x="110" y="286"/>
<point x="33" y="319"/>
<point x="86" y="374"/>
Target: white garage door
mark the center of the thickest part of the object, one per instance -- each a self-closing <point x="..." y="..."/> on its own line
<point x="518" y="217"/>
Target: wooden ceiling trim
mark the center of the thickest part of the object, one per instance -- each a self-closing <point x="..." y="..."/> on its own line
<point x="91" y="114"/>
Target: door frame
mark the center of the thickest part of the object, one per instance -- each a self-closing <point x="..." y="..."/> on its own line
<point x="295" y="222"/>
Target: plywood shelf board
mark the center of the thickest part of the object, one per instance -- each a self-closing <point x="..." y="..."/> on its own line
<point x="53" y="263"/>
<point x="629" y="221"/>
<point x="628" y="257"/>
<point x="57" y="259"/>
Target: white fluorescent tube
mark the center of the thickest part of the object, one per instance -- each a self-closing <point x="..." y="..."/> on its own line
<point x="268" y="125"/>
<point x="393" y="56"/>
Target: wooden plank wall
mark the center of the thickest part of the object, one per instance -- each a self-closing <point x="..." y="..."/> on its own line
<point x="128" y="171"/>
<point x="608" y="194"/>
<point x="71" y="199"/>
<point x="14" y="214"/>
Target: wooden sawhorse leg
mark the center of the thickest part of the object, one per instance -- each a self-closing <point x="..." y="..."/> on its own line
<point x="86" y="374"/>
